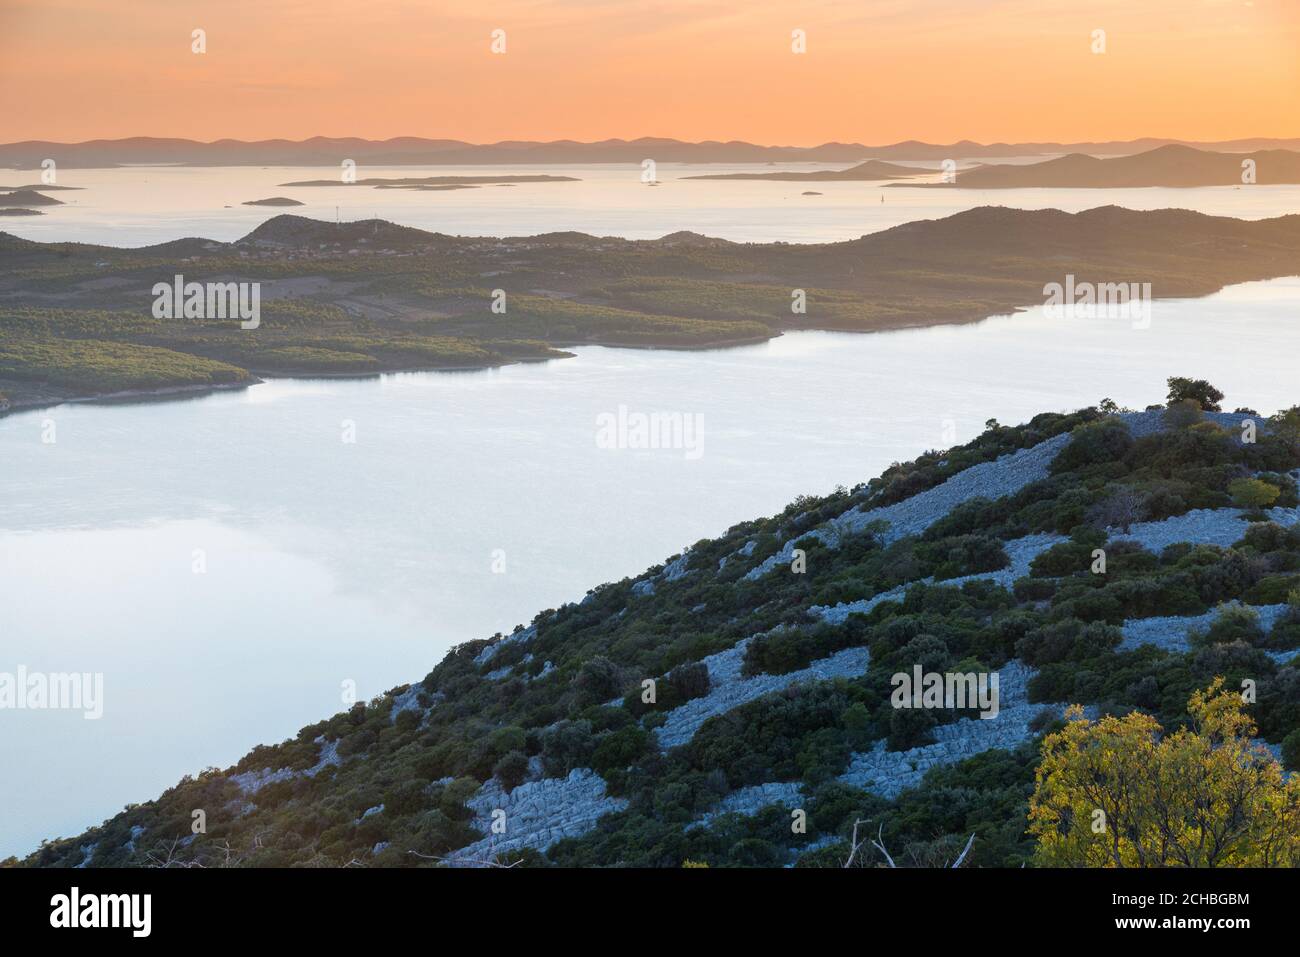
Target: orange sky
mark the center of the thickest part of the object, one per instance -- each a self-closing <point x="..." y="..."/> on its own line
<point x="875" y="71"/>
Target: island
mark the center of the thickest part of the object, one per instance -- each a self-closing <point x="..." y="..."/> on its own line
<point x="28" y="197"/>
<point x="864" y="172"/>
<point x="1172" y="166"/>
<point x="359" y="298"/>
<point x="434" y="182"/>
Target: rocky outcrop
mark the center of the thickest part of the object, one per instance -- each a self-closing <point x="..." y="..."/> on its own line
<point x="1021" y="551"/>
<point x="250" y="782"/>
<point x="535" y="814"/>
<point x="728" y="689"/>
<point x="1203" y="526"/>
<point x="889" y="772"/>
<point x="524" y="635"/>
<point x="1171" y="633"/>
<point x="912" y="516"/>
<point x="751" y="800"/>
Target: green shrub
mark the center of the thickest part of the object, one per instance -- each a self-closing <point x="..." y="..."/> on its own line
<point x="1108" y="440"/>
<point x="1068" y="640"/>
<point x="1253" y="494"/>
<point x="1233" y="623"/>
<point x="567" y="745"/>
<point x="1291" y="751"/>
<point x="619" y="749"/>
<point x="511" y="770"/>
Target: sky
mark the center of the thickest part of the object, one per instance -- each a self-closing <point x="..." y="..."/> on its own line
<point x="873" y="71"/>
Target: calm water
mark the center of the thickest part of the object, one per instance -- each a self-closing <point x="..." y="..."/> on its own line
<point x="143" y="205"/>
<point x="328" y="561"/>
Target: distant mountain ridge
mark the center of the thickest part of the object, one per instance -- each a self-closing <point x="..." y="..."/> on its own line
<point x="1166" y="166"/>
<point x="419" y="151"/>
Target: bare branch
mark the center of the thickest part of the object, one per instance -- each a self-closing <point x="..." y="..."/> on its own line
<point x="468" y="860"/>
<point x="962" y="856"/>
<point x="880" y="846"/>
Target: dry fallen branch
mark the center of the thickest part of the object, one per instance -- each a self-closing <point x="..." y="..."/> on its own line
<point x="468" y="860"/>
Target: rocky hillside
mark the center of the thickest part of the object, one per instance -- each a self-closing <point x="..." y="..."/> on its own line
<point x="733" y="706"/>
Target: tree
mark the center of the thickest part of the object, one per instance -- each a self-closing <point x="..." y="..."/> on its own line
<point x="1286" y="425"/>
<point x="1253" y="494"/>
<point x="1195" y="390"/>
<point x="1124" y="507"/>
<point x="1120" y="792"/>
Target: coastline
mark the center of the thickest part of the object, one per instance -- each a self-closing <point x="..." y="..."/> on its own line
<point x="258" y="376"/>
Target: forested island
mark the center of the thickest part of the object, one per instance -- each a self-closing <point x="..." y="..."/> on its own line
<point x="364" y="297"/>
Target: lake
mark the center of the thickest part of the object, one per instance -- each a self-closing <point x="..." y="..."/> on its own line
<point x="229" y="562"/>
<point x="139" y="206"/>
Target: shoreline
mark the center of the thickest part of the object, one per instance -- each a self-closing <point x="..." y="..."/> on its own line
<point x="259" y="376"/>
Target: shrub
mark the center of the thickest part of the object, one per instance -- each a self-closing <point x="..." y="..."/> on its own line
<point x="1069" y="640"/>
<point x="963" y="555"/>
<point x="689" y="681"/>
<point x="1030" y="589"/>
<point x="909" y="728"/>
<point x="565" y="746"/>
<point x="1270" y="590"/>
<point x="1253" y="494"/>
<point x="1291" y="751"/>
<point x="1182" y="415"/>
<point x="1279" y="703"/>
<point x="619" y="749"/>
<point x="1063" y="558"/>
<point x="511" y="770"/>
<point x="598" y="680"/>
<point x="1286" y="630"/>
<point x="1097" y="442"/>
<point x="1233" y="623"/>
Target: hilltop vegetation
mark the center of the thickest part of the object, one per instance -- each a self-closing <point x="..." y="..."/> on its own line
<point x="359" y="298"/>
<point x="1093" y="559"/>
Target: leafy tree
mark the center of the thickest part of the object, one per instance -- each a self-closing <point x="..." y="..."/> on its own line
<point x="1120" y="792"/>
<point x="1253" y="494"/>
<point x="1195" y="390"/>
